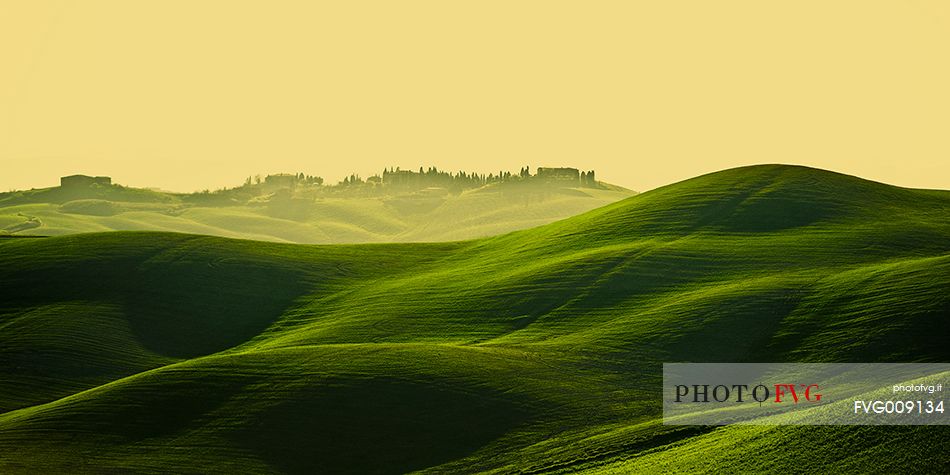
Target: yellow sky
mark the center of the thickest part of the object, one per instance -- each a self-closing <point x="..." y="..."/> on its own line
<point x="187" y="95"/>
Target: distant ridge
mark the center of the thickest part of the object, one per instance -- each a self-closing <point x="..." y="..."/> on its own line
<point x="396" y="206"/>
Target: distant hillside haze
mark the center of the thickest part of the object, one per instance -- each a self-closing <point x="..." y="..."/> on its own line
<point x="395" y="205"/>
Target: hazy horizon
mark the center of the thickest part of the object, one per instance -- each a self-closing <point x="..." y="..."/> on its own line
<point x="335" y="180"/>
<point x="187" y="96"/>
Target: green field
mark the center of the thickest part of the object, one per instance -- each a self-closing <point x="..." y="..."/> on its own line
<point x="333" y="216"/>
<point x="535" y="351"/>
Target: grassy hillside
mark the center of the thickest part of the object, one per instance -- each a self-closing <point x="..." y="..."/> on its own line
<point x="538" y="350"/>
<point x="431" y="214"/>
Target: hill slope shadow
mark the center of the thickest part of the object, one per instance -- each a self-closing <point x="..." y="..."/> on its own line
<point x="180" y="297"/>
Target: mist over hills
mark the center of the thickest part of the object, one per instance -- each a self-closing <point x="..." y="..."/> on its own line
<point x="394" y="206"/>
<point x="534" y="351"/>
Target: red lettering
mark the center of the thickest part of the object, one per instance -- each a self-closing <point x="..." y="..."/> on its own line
<point x="779" y="392"/>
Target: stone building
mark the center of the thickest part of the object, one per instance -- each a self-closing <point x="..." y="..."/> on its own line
<point x="84" y="181"/>
<point x="571" y="175"/>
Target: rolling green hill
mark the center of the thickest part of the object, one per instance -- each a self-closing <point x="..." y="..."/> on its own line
<point x="534" y="351"/>
<point x="331" y="216"/>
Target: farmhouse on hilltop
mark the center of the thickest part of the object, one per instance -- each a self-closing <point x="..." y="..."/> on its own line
<point x="566" y="175"/>
<point x="280" y="181"/>
<point x="84" y="181"/>
<point x="559" y="174"/>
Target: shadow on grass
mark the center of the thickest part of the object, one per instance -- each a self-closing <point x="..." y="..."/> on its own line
<point x="376" y="426"/>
